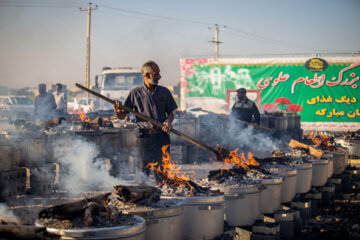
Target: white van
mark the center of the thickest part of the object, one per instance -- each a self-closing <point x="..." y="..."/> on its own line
<point x="16" y="107"/>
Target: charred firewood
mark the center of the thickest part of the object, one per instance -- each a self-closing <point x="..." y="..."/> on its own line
<point x="216" y="175"/>
<point x="112" y="213"/>
<point x="314" y="152"/>
<point x="53" y="122"/>
<point x="73" y="209"/>
<point x="174" y="183"/>
<point x="92" y="208"/>
<point x="13" y="230"/>
<point x="134" y="193"/>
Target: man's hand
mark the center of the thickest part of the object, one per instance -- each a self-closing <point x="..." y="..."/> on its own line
<point x="255" y="125"/>
<point x="120" y="113"/>
<point x="167" y="126"/>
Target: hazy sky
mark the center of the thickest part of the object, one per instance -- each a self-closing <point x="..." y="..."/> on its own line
<point x="45" y="40"/>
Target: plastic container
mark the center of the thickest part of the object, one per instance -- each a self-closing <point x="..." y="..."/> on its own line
<point x="303" y="177"/>
<point x="320" y="170"/>
<point x="135" y="231"/>
<point x="271" y="196"/>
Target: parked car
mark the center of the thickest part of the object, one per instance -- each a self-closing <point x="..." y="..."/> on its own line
<point x="16" y="107"/>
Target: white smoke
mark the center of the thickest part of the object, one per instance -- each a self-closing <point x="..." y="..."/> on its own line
<point x="80" y="169"/>
<point x="250" y="139"/>
<point x="7" y="213"/>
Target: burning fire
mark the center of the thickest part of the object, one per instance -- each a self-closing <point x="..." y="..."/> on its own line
<point x="83" y="117"/>
<point x="234" y="158"/>
<point x="323" y="141"/>
<point x="168" y="170"/>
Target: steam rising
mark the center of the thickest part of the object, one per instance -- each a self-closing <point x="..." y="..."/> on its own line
<point x="7" y="213"/>
<point x="81" y="170"/>
<point x="250" y="139"/>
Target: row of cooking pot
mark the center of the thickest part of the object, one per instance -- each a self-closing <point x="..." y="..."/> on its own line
<point x="203" y="217"/>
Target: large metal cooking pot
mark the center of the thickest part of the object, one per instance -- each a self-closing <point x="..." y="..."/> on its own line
<point x="187" y="125"/>
<point x="320" y="169"/>
<point x="297" y="121"/>
<point x="242" y="205"/>
<point x="162" y="224"/>
<point x="291" y="121"/>
<point x="329" y="156"/>
<point x="203" y="217"/>
<point x="111" y="140"/>
<point x="7" y="160"/>
<point x="340" y="161"/>
<point x="353" y="146"/>
<point x="288" y="190"/>
<point x="135" y="231"/>
<point x="304" y="177"/>
<point x="279" y="123"/>
<point x="28" y="149"/>
<point x="271" y="195"/>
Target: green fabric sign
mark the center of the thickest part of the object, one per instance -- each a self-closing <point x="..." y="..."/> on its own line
<point x="320" y="90"/>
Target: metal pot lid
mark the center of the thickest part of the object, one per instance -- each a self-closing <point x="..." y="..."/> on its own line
<point x="104" y="233"/>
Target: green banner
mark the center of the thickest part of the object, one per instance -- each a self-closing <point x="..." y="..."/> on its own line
<point x="319" y="89"/>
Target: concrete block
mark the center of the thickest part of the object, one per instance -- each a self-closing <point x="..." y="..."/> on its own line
<point x="267" y="228"/>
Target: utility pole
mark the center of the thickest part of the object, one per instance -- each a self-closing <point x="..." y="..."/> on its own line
<point x="87" y="72"/>
<point x="216" y="40"/>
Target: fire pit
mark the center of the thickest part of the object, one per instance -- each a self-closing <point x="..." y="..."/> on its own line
<point x="289" y="174"/>
<point x="340" y="161"/>
<point x="320" y="170"/>
<point x="163" y="216"/>
<point x="304" y="177"/>
<point x="203" y="214"/>
<point x="329" y="156"/>
<point x="271" y="196"/>
<point x="100" y="216"/>
<point x="242" y="192"/>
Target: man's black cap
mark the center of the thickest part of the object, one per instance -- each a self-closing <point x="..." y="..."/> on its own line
<point x="241" y="90"/>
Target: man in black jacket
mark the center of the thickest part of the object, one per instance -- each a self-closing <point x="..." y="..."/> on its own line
<point x="244" y="109"/>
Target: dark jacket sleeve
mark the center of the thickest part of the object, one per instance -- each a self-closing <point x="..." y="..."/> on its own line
<point x="255" y="112"/>
<point x="171" y="104"/>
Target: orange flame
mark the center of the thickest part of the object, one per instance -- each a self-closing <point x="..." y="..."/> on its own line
<point x="322" y="141"/>
<point x="83" y="117"/>
<point x="241" y="160"/>
<point x="168" y="169"/>
<point x="234" y="158"/>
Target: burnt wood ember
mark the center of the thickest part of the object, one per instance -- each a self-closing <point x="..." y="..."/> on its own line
<point x="91" y="209"/>
<point x="100" y="210"/>
<point x="135" y="193"/>
<point x="73" y="209"/>
<point x="95" y="124"/>
<point x="236" y="171"/>
<point x="24" y="124"/>
<point x="53" y="122"/>
<point x="13" y="230"/>
<point x="220" y="174"/>
<point x="188" y="184"/>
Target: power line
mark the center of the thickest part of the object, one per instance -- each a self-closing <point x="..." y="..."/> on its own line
<point x="152" y="17"/>
<point x="155" y="16"/>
